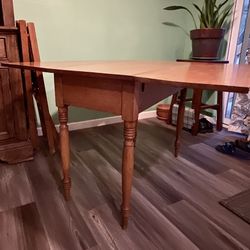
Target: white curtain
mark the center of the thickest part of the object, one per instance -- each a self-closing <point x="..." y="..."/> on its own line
<point x="240" y="119"/>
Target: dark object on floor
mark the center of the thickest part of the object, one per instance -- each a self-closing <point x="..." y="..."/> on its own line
<point x="230" y="148"/>
<point x="239" y="204"/>
<point x="227" y="148"/>
<point x="243" y="144"/>
<point x="205" y="126"/>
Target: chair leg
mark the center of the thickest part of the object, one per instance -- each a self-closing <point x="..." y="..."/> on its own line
<point x="180" y="120"/>
<point x="173" y="101"/>
<point x="219" y="110"/>
<point x="196" y="106"/>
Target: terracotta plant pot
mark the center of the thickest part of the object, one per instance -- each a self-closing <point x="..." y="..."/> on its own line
<point x="163" y="111"/>
<point x="206" y="43"/>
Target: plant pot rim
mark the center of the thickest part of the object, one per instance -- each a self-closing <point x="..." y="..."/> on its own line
<point x="207" y="29"/>
<point x="207" y="33"/>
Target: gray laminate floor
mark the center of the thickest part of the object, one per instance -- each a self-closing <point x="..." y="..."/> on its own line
<point x="174" y="201"/>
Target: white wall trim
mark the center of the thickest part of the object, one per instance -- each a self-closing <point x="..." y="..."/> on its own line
<point x="100" y="122"/>
<point x="114" y="119"/>
<point x="232" y="45"/>
<point x="234" y="30"/>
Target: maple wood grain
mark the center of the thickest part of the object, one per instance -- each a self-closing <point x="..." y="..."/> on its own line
<point x="223" y="77"/>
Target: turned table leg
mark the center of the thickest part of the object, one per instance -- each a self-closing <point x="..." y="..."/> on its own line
<point x="65" y="151"/>
<point x="127" y="169"/>
<point x="180" y="120"/>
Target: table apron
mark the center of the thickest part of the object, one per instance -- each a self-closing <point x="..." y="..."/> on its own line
<point x="117" y="96"/>
<point x="101" y="94"/>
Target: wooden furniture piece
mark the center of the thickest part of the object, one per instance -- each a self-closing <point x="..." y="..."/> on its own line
<point x="25" y="56"/>
<point x="18" y="133"/>
<point x="180" y="120"/>
<point x="126" y="89"/>
<point x="7" y="13"/>
<point x="162" y="112"/>
<point x="198" y="106"/>
<point x="14" y="142"/>
<point x="196" y="100"/>
<point x="34" y="86"/>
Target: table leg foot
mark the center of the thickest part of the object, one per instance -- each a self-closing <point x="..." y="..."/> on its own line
<point x="66" y="188"/>
<point x="125" y="216"/>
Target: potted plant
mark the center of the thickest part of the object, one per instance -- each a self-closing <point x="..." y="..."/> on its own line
<point x="207" y="38"/>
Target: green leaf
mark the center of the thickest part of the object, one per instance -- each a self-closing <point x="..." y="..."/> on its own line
<point x="177" y="7"/>
<point x="204" y="21"/>
<point x="207" y="12"/>
<point x="226" y="12"/>
<point x="176" y="25"/>
<point x="215" y="22"/>
<point x="221" y="5"/>
<point x="211" y="15"/>
<point x="198" y="8"/>
<point x="174" y="7"/>
<point x="219" y="8"/>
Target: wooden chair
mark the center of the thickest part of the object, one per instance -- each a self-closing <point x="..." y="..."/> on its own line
<point x="198" y="106"/>
<point x="34" y="86"/>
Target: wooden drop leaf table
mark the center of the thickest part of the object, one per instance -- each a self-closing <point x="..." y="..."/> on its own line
<point x="127" y="88"/>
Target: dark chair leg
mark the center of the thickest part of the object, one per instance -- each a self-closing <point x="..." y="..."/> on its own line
<point x="196" y="106"/>
<point x="180" y="120"/>
<point x="173" y="101"/>
<point x="219" y="110"/>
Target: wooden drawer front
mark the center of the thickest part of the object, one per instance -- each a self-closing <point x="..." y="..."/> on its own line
<point x="6" y="111"/>
<point x="3" y="52"/>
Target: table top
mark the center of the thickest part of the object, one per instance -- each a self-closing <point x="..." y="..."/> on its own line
<point x="224" y="77"/>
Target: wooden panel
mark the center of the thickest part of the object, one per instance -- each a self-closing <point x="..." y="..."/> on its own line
<point x="14" y="144"/>
<point x="15" y="151"/>
<point x="98" y="94"/>
<point x="7" y="13"/>
<point x="3" y="127"/>
<point x="16" y="92"/>
<point x="25" y="56"/>
<point x="150" y="94"/>
<point x="6" y="112"/>
<point x="3" y="53"/>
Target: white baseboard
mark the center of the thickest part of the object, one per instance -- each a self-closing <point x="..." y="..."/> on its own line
<point x="100" y="122"/>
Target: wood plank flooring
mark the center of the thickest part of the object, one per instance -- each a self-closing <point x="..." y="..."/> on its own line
<point x="174" y="200"/>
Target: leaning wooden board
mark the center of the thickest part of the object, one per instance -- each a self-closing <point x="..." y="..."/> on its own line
<point x="126" y="88"/>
